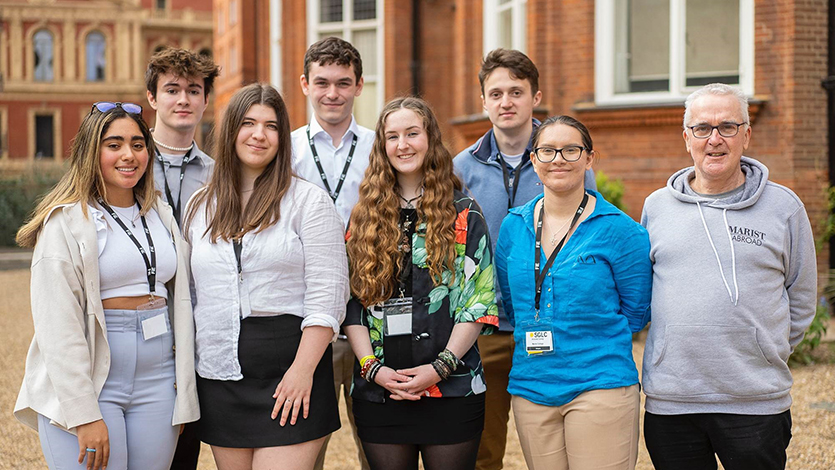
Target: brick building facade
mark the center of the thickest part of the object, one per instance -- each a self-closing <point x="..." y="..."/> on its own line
<point x="57" y="57"/>
<point x="608" y="63"/>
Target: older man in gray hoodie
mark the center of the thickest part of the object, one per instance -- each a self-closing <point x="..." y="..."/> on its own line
<point x="734" y="289"/>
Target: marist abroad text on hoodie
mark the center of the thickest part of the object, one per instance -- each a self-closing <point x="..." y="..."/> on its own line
<point x="734" y="289"/>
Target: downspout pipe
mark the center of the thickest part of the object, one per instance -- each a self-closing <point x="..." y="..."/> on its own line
<point x="416" y="60"/>
<point x="829" y="84"/>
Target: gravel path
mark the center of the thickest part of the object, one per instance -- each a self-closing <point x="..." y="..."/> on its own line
<point x="813" y="413"/>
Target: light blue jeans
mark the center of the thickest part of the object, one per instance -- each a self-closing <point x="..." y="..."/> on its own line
<point x="137" y="400"/>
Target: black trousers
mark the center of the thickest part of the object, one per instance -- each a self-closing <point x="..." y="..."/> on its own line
<point x="742" y="442"/>
<point x="188" y="449"/>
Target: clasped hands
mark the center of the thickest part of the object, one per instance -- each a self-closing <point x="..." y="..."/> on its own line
<point x="407" y="384"/>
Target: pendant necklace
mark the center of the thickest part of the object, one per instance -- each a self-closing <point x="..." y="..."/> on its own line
<point x="554" y="234"/>
<point x="408" y="202"/>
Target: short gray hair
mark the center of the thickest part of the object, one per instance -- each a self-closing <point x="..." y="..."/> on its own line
<point x="719" y="89"/>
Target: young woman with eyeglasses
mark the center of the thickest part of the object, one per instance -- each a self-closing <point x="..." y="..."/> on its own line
<point x="576" y="277"/>
<point x="103" y="386"/>
<point x="423" y="290"/>
<point x="271" y="285"/>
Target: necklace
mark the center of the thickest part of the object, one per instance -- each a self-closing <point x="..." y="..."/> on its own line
<point x="408" y="202"/>
<point x="132" y="218"/>
<point x="174" y="149"/>
<point x="405" y="244"/>
<point x="554" y="234"/>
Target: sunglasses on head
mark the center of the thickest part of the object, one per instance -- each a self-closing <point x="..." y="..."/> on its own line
<point x="105" y="106"/>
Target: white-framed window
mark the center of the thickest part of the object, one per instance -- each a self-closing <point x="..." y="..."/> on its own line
<point x="94" y="48"/>
<point x="650" y="51"/>
<point x="505" y="24"/>
<point x="359" y="22"/>
<point x="43" y="46"/>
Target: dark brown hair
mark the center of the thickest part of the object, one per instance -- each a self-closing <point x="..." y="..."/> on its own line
<point x="566" y="121"/>
<point x="333" y="50"/>
<point x="182" y="63"/>
<point x="375" y="231"/>
<point x="520" y="66"/>
<point x="221" y="200"/>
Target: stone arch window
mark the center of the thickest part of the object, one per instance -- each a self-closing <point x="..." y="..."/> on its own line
<point x="43" y="48"/>
<point x="95" y="53"/>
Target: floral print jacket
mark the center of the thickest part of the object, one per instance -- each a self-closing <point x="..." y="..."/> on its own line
<point x="436" y="309"/>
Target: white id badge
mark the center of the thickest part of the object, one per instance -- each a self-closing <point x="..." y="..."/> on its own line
<point x="539" y="339"/>
<point x="397" y="316"/>
<point x="154" y="326"/>
<point x="539" y="342"/>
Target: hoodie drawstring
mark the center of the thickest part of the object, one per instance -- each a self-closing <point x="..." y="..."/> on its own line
<point x="733" y="253"/>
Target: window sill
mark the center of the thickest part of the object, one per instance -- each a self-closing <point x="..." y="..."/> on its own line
<point x="646" y="114"/>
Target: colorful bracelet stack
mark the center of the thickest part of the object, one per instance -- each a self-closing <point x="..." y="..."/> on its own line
<point x="445" y="364"/>
<point x="369" y="366"/>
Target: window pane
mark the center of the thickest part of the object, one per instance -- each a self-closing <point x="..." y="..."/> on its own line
<point x="365" y="106"/>
<point x="330" y="11"/>
<point x="712" y="40"/>
<point x="160" y="4"/>
<point x="366" y="44"/>
<point x="335" y="34"/>
<point x="365" y="9"/>
<point x="44" y="143"/>
<point x="43" y="56"/>
<point x="642" y="46"/>
<point x="95" y="57"/>
<point x="505" y="32"/>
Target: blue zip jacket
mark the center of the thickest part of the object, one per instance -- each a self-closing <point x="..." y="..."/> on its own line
<point x="480" y="169"/>
<point x="596" y="294"/>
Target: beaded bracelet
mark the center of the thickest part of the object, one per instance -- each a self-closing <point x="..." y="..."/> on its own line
<point x="366" y="359"/>
<point x="449" y="358"/>
<point x="441" y="369"/>
<point x="367" y="367"/>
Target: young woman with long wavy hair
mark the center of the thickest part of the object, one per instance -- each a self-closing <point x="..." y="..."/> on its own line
<point x="271" y="284"/>
<point x="422" y="292"/>
<point x="100" y="374"/>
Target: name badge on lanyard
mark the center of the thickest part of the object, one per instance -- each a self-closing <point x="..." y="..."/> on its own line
<point x="539" y="342"/>
<point x="397" y="316"/>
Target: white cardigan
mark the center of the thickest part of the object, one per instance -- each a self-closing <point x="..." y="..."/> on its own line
<point x="69" y="358"/>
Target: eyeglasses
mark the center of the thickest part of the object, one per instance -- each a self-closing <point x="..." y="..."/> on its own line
<point x="570" y="153"/>
<point x="726" y="129"/>
<point x="105" y="106"/>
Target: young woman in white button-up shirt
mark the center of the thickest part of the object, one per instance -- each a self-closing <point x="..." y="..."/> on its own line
<point x="271" y="284"/>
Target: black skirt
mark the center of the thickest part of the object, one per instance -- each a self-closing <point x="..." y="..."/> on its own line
<point x="428" y="421"/>
<point x="237" y="413"/>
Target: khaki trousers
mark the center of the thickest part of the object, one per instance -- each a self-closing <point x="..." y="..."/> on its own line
<point x="343" y="370"/>
<point x="596" y="430"/>
<point x="496" y="357"/>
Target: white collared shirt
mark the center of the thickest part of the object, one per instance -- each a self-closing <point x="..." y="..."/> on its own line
<point x="333" y="161"/>
<point x="297" y="266"/>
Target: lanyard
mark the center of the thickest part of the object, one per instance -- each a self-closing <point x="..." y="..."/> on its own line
<point x="540" y="277"/>
<point x="334" y="194"/>
<point x="510" y="185"/>
<point x="150" y="265"/>
<point x="238" y="246"/>
<point x="176" y="207"/>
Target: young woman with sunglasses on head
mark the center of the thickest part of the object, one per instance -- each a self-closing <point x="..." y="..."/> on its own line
<point x="576" y="277"/>
<point x="102" y="385"/>
<point x="271" y="283"/>
<point x="423" y="290"/>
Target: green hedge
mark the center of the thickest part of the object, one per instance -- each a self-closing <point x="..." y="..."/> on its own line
<point x="19" y="194"/>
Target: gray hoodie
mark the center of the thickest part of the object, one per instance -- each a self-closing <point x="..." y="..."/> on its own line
<point x="733" y="291"/>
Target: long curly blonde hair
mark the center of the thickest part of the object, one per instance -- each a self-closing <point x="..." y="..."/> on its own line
<point x="374" y="233"/>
